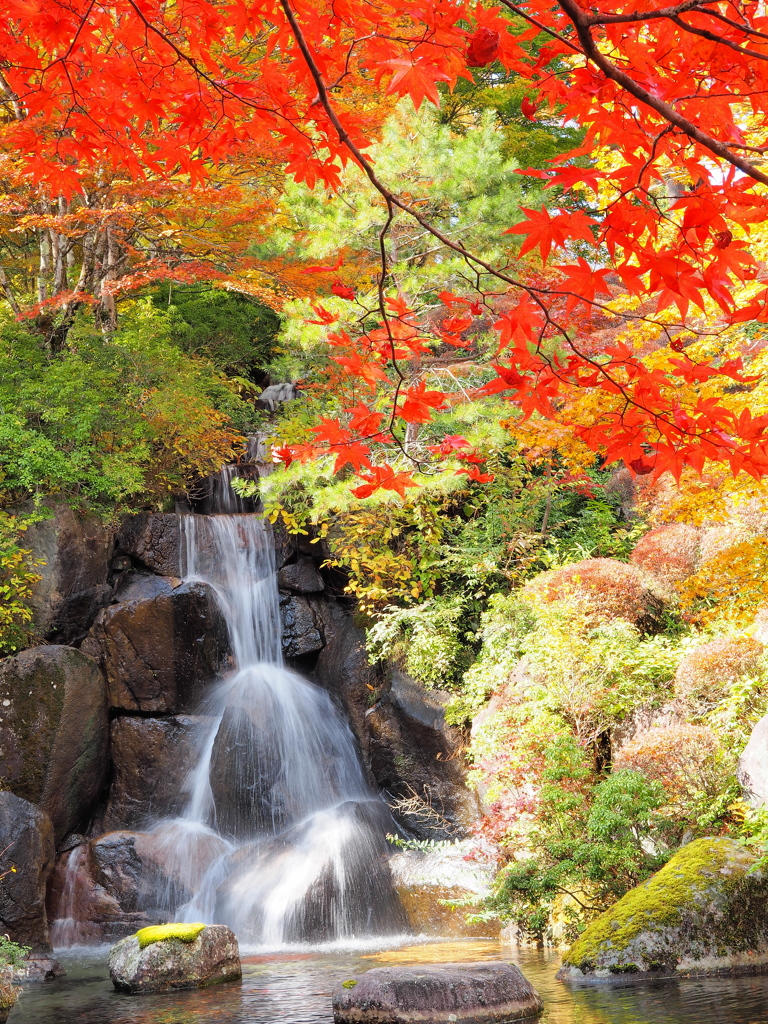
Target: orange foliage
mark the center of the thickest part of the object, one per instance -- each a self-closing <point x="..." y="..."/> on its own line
<point x="608" y="589"/>
<point x="669" y="553"/>
<point x="681" y="757"/>
<point x="705" y="674"/>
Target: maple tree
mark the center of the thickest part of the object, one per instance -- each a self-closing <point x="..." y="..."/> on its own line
<point x="672" y="104"/>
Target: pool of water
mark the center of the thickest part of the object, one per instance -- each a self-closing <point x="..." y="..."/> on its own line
<point x="294" y="987"/>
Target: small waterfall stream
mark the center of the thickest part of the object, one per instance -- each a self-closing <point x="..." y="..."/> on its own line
<point x="282" y="838"/>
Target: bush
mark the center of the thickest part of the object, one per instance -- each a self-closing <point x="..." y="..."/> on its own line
<point x="706" y="674"/>
<point x="17" y="578"/>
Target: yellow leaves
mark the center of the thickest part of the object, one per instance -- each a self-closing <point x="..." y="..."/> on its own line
<point x="731" y="585"/>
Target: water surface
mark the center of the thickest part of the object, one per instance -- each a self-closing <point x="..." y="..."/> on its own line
<point x="288" y="987"/>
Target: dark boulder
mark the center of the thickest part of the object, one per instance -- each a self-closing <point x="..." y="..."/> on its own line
<point x="159" y="653"/>
<point x="302" y="633"/>
<point x="54" y="732"/>
<point x="154" y="540"/>
<point x="172" y="964"/>
<point x="301" y="576"/>
<point x="481" y="993"/>
<point x="75" y="552"/>
<point x="151" y="758"/>
<point x="26" y="837"/>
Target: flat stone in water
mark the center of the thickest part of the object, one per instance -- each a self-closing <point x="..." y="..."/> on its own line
<point x="478" y="993"/>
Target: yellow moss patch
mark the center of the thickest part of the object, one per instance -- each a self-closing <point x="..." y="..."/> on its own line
<point x="158" y="932"/>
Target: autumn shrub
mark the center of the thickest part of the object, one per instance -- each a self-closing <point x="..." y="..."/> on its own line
<point x="670" y="553"/>
<point x="706" y="673"/>
<point x="17" y="578"/>
<point x="731" y="584"/>
<point x="607" y="590"/>
<point x="697" y="773"/>
<point x="584" y="837"/>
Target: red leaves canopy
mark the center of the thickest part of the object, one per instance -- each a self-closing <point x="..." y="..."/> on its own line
<point x="670" y="91"/>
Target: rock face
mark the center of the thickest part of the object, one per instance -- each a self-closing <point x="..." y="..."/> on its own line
<point x="482" y="993"/>
<point x="753" y="765"/>
<point x="54" y="732"/>
<point x="153" y="540"/>
<point x="76" y="553"/>
<point x="406" y="744"/>
<point x="151" y="758"/>
<point x="26" y="836"/>
<point x="170" y="965"/>
<point x="705" y="912"/>
<point x="159" y="652"/>
<point x="609" y="590"/>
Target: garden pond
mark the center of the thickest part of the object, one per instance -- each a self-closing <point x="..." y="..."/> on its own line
<point x="294" y="987"/>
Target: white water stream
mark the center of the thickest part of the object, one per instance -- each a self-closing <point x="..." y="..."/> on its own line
<point x="282" y="838"/>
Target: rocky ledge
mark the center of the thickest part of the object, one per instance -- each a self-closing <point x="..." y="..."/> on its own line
<point x="484" y="993"/>
<point x="167" y="958"/>
<point x="704" y="913"/>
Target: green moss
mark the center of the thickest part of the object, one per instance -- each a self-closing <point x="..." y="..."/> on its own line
<point x="159" y="932"/>
<point x="686" y="880"/>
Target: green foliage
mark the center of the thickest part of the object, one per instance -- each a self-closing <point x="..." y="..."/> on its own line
<point x="17" y="578"/>
<point x="235" y="332"/>
<point x="588" y="843"/>
<point x="11" y="953"/>
<point x="113" y="421"/>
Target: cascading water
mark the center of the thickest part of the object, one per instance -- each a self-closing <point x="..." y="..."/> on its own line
<point x="282" y="838"/>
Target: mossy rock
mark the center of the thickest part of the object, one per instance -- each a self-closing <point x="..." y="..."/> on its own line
<point x="703" y="913"/>
<point x="161" y="932"/>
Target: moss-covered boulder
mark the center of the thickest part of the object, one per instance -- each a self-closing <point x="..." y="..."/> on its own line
<point x="172" y="957"/>
<point x="703" y="913"/>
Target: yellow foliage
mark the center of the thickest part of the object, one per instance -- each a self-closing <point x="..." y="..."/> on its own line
<point x="160" y="932"/>
<point x="732" y="585"/>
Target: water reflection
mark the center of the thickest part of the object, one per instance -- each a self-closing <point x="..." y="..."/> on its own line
<point x="295" y="988"/>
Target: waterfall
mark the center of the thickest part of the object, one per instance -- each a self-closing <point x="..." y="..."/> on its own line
<point x="282" y="838"/>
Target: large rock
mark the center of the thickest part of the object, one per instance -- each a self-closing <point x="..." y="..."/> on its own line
<point x="73" y="587"/>
<point x="482" y="993"/>
<point x="154" y="540"/>
<point x="301" y="576"/>
<point x="302" y="633"/>
<point x="406" y="744"/>
<point x="26" y="837"/>
<point x="705" y="912"/>
<point x="607" y="589"/>
<point x="159" y="652"/>
<point x="54" y="732"/>
<point x="753" y="765"/>
<point x="171" y="964"/>
<point x="151" y="758"/>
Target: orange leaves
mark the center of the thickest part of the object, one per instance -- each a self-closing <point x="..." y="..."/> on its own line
<point x="384" y="478"/>
<point x="483" y="47"/>
<point x="549" y="231"/>
<point x="415" y="78"/>
<point x="417" y="403"/>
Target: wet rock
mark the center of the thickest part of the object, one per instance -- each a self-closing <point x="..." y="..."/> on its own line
<point x="54" y="732"/>
<point x="411" y="752"/>
<point x="439" y="888"/>
<point x="703" y="913"/>
<point x="159" y="653"/>
<point x="301" y="868"/>
<point x="75" y="551"/>
<point x="154" y="540"/>
<point x="608" y="590"/>
<point x="482" y="993"/>
<point x="301" y="576"/>
<point x="301" y="627"/>
<point x="670" y="553"/>
<point x="151" y="758"/>
<point x="26" y="836"/>
<point x="171" y="964"/>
